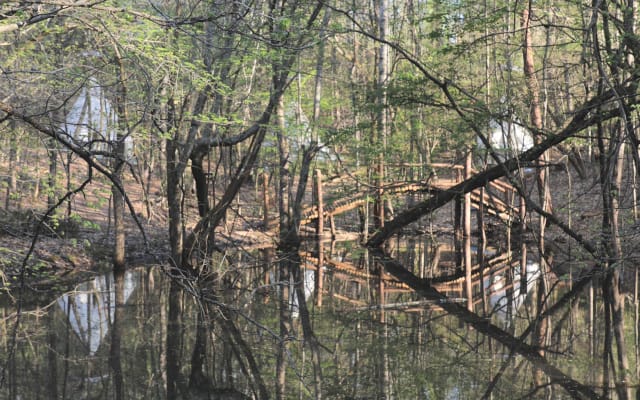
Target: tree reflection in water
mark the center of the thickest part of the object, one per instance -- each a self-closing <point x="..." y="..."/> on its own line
<point x="390" y="335"/>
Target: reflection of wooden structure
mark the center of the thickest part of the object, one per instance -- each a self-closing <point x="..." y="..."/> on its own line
<point x="453" y="285"/>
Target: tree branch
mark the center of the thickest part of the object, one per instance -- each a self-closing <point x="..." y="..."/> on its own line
<point x="62" y="138"/>
<point x="581" y="120"/>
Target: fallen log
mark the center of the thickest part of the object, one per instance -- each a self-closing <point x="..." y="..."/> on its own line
<point x="582" y="119"/>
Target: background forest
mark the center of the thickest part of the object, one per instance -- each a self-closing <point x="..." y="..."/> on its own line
<point x="168" y="132"/>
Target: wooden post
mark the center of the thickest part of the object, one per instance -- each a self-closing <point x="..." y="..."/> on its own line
<point x="482" y="246"/>
<point x="457" y="225"/>
<point x="319" y="284"/>
<point x="523" y="246"/>
<point x="265" y="200"/>
<point x="332" y="225"/>
<point x="320" y="226"/>
<point x="467" y="236"/>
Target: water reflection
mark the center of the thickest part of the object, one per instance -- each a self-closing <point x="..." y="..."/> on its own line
<point x="309" y="283"/>
<point x="508" y="292"/>
<point x="350" y="280"/>
<point x="387" y="327"/>
<point x="90" y="307"/>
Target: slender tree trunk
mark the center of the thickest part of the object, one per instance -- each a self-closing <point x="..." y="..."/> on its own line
<point x="542" y="180"/>
<point x="285" y="245"/>
<point x="174" y="201"/>
<point x="118" y="222"/>
<point x="200" y="181"/>
<point x="12" y="187"/>
<point x="616" y="297"/>
<point x="53" y="174"/>
<point x="467" y="236"/>
<point x="118" y="167"/>
<point x="383" y="113"/>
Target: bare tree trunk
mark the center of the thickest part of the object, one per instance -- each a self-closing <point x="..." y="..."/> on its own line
<point x="174" y="201"/>
<point x="120" y="156"/>
<point x="617" y="298"/>
<point x="118" y="222"/>
<point x="284" y="267"/>
<point x="53" y="174"/>
<point x="383" y="113"/>
<point x="12" y="187"/>
<point x="467" y="236"/>
<point x="542" y="181"/>
<point x="200" y="182"/>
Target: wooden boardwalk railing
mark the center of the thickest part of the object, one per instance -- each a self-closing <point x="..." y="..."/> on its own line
<point x="495" y="197"/>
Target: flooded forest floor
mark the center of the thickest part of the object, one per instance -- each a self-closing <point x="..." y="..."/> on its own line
<point x="347" y="288"/>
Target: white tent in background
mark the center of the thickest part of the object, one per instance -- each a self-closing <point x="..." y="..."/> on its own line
<point x="90" y="308"/>
<point x="93" y="121"/>
<point x="508" y="138"/>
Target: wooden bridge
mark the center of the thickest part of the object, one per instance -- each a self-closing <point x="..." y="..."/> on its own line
<point x="496" y="198"/>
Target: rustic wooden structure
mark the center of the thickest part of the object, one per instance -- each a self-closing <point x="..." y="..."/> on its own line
<point x="468" y="281"/>
<point x="496" y="198"/>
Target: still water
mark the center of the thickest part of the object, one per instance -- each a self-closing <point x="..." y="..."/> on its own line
<point x="359" y="334"/>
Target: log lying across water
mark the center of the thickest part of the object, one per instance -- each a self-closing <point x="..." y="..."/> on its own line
<point x="582" y="119"/>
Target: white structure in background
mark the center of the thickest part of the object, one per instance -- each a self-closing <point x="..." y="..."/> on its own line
<point x="298" y="133"/>
<point x="91" y="306"/>
<point x="93" y="121"/>
<point x="508" y="138"/>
